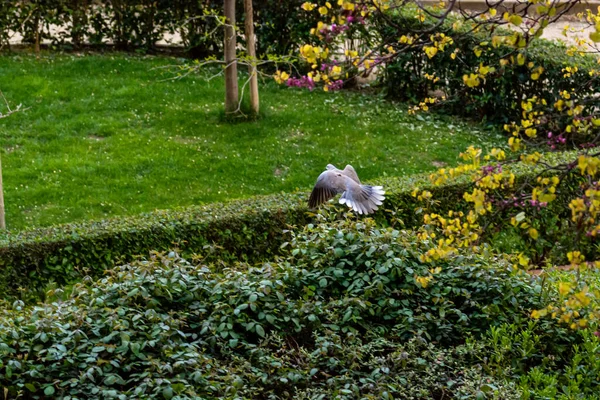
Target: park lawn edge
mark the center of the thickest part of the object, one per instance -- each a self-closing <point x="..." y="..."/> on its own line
<point x="249" y="230"/>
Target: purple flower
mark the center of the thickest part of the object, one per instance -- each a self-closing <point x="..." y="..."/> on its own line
<point x="303" y="82"/>
<point x="336" y="85"/>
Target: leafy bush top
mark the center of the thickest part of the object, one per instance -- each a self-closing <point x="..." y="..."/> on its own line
<point x="330" y="316"/>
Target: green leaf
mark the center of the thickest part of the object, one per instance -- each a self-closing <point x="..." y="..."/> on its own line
<point x="260" y="331"/>
<point x="516" y="20"/>
<point x="135" y="348"/>
<point x="488" y="388"/>
<point x="167" y="392"/>
<point x="49" y="391"/>
<point x="323" y="282"/>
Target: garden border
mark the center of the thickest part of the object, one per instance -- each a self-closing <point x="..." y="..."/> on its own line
<point x="241" y="230"/>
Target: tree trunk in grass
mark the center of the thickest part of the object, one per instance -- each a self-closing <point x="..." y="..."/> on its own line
<point x="231" y="84"/>
<point x="251" y="45"/>
<point x="36" y="45"/>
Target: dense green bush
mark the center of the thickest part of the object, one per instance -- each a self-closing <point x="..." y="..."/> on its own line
<point x="328" y="319"/>
<point x="242" y="230"/>
<point x="549" y="362"/>
<point x="498" y="98"/>
<point x="139" y="24"/>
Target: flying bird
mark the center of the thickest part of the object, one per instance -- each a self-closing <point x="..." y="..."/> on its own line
<point x="363" y="199"/>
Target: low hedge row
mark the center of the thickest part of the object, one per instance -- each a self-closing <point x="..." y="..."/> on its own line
<point x="249" y="230"/>
<point x="140" y="24"/>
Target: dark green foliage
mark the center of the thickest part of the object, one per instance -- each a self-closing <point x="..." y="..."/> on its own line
<point x="328" y="318"/>
<point x="498" y="98"/>
<point x="139" y="24"/>
<point x="245" y="230"/>
<point x="282" y="26"/>
<point x="242" y="229"/>
<point x="377" y="269"/>
<point x="550" y="362"/>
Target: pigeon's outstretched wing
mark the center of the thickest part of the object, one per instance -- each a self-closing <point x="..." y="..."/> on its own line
<point x="327" y="186"/>
<point x="363" y="199"/>
<point x="350" y="172"/>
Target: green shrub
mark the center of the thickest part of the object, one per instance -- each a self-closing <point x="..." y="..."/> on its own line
<point x="140" y="24"/>
<point x="328" y="319"/>
<point x="498" y="98"/>
<point x="379" y="269"/>
<point x="249" y="230"/>
<point x="547" y="361"/>
<point x="546" y="357"/>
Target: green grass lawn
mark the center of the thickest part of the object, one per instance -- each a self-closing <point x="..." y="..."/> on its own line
<point x="107" y="135"/>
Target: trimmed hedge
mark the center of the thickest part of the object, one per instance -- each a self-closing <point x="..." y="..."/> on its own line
<point x="249" y="230"/>
<point x="139" y="24"/>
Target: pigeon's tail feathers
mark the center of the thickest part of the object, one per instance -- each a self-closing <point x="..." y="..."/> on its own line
<point x="363" y="199"/>
<point x="377" y="194"/>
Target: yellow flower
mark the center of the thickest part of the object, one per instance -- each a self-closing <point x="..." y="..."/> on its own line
<point x="435" y="270"/>
<point x="575" y="257"/>
<point x="281" y="77"/>
<point x="423" y="280"/>
<point x="523" y="260"/>
<point x="533" y="233"/>
<point x="346" y="5"/>
<point x="564" y="288"/>
<point x="471" y="80"/>
<point x="336" y="71"/>
<point x="538" y="313"/>
<point x="308" y="6"/>
<point x="430" y="51"/>
<point x="583" y="298"/>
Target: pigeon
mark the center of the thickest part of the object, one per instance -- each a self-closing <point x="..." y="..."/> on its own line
<point x="363" y="199"/>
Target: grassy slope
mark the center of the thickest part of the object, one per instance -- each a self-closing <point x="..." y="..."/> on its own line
<point x="106" y="135"/>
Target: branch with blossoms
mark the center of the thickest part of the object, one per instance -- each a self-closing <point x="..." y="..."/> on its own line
<point x="537" y="209"/>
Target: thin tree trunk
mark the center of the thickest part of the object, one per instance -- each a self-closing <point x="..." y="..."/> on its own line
<point x="37" y="36"/>
<point x="231" y="83"/>
<point x="2" y="218"/>
<point x="250" y="43"/>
